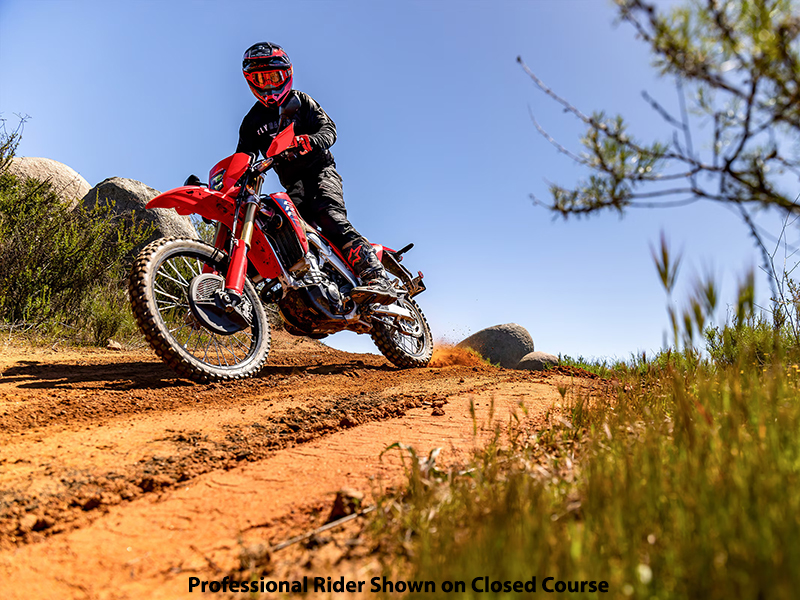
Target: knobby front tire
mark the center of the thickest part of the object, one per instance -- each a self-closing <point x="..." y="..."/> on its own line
<point x="159" y="287"/>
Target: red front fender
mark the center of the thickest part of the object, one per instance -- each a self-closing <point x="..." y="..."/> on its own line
<point x="192" y="199"/>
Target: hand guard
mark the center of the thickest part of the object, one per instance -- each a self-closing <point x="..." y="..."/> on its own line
<point x="303" y="143"/>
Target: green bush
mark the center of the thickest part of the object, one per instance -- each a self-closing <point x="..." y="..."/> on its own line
<point x="109" y="314"/>
<point x="754" y="341"/>
<point x="56" y="262"/>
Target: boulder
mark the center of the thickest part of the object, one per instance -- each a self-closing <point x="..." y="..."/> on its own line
<point x="537" y="361"/>
<point x="68" y="184"/>
<point x="129" y="197"/>
<point x="502" y="344"/>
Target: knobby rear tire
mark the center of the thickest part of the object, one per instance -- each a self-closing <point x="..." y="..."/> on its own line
<point x="159" y="274"/>
<point x="405" y="351"/>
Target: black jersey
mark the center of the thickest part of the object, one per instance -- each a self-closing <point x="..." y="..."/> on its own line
<point x="260" y="125"/>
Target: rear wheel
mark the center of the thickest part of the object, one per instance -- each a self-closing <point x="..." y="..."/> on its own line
<point x="173" y="302"/>
<point x="406" y="344"/>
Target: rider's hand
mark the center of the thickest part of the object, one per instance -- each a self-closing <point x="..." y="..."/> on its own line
<point x="303" y="143"/>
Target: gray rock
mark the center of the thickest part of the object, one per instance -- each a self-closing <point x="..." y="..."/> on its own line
<point x="69" y="185"/>
<point x="129" y="197"/>
<point x="537" y="361"/>
<point x="502" y="344"/>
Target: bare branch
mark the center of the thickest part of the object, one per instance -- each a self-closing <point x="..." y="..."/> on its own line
<point x="550" y="139"/>
<point x="768" y="265"/>
<point x="672" y="204"/>
<point x="662" y="111"/>
<point x="687" y="132"/>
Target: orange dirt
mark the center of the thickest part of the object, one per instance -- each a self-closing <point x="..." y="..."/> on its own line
<point x="448" y="356"/>
<point x="120" y="480"/>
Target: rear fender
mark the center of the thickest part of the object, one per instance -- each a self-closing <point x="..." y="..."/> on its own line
<point x="412" y="284"/>
<point x="378" y="249"/>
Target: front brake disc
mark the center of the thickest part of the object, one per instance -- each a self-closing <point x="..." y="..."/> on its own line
<point x="208" y="307"/>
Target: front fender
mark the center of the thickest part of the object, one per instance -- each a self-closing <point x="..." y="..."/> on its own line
<point x="197" y="200"/>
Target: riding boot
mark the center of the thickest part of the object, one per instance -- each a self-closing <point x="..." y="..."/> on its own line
<point x="375" y="285"/>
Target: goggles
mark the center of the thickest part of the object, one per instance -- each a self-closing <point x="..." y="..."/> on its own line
<point x="267" y="80"/>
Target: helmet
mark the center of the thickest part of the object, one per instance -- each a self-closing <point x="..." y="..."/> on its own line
<point x="268" y="72"/>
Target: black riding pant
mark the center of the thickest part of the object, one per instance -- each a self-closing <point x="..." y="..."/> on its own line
<point x="320" y="199"/>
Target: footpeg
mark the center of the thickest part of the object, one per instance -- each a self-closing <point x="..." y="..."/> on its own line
<point x="368" y="296"/>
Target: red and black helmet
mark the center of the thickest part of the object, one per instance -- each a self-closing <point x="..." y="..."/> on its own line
<point x="268" y="71"/>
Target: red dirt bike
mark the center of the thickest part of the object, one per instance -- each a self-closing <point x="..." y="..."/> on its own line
<point x="201" y="307"/>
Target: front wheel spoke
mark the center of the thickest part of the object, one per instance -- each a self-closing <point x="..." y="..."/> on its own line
<point x="232" y="352"/>
<point x="189" y="338"/>
<point x="220" y="354"/>
<point x="176" y="330"/>
<point x="205" y="350"/>
<point x="183" y="284"/>
<point x="225" y="345"/>
<point x="158" y="290"/>
<point x="244" y="347"/>
<point x="197" y="336"/>
<point x="193" y="267"/>
<point x="177" y="271"/>
<point x="162" y="307"/>
<point x="203" y="343"/>
<point x="226" y="351"/>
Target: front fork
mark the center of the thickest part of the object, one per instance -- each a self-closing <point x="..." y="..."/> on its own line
<point x="237" y="269"/>
<point x="220" y="238"/>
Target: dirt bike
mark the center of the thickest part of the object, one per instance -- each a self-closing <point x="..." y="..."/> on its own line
<point x="202" y="307"/>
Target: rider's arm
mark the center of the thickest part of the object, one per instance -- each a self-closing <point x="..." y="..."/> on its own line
<point x="247" y="141"/>
<point x="317" y="124"/>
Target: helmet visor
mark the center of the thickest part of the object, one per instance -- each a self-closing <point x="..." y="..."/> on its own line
<point x="268" y="80"/>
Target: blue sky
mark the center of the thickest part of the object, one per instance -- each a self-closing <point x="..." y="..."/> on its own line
<point x="435" y="141"/>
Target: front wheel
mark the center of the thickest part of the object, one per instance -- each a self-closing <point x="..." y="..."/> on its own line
<point x="172" y="293"/>
<point x="406" y="344"/>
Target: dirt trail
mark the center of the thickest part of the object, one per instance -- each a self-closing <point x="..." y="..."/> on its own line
<point x="119" y="480"/>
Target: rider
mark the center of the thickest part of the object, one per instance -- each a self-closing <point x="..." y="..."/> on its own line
<point x="309" y="175"/>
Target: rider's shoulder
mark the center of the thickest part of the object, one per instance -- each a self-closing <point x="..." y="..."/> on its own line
<point x="302" y="96"/>
<point x="305" y="99"/>
<point x="256" y="112"/>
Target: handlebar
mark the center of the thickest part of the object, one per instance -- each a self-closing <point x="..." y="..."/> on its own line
<point x="263" y="166"/>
